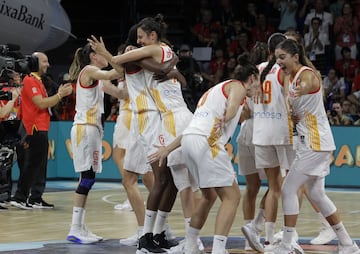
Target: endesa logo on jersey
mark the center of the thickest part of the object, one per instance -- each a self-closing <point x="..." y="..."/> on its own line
<point x="201" y="114"/>
<point x="267" y="115"/>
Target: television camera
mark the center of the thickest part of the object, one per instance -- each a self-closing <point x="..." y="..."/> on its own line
<point x="11" y="60"/>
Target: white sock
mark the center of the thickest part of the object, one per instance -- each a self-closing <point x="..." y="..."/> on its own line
<point x="77" y="218"/>
<point x="259" y="220"/>
<point x="219" y="244"/>
<point x="342" y="234"/>
<point x="289" y="233"/>
<point x="160" y="222"/>
<point x="187" y="223"/>
<point x="192" y="234"/>
<point x="149" y="221"/>
<point x="269" y="231"/>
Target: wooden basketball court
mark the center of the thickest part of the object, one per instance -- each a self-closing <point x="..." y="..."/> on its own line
<point x="44" y="231"/>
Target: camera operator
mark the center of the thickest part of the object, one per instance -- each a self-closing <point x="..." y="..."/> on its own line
<point x="337" y="117"/>
<point x="190" y="69"/>
<point x="9" y="112"/>
<point x="35" y="108"/>
<point x="9" y="103"/>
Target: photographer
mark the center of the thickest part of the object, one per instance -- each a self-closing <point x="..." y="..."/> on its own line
<point x="336" y="116"/>
<point x="190" y="69"/>
<point x="9" y="138"/>
<point x="9" y="96"/>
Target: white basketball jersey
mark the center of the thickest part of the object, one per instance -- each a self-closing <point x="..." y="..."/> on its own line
<point x="89" y="103"/>
<point x="246" y="129"/>
<point x="209" y="111"/>
<point x="139" y="95"/>
<point x="272" y="125"/>
<point x="313" y="128"/>
<point x="167" y="95"/>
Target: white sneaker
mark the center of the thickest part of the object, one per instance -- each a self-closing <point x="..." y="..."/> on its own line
<point x="130" y="241"/>
<point x="181" y="246"/>
<point x="349" y="249"/>
<point x="247" y="246"/>
<point x="253" y="237"/>
<point x="125" y="206"/>
<point x="325" y="236"/>
<point x="82" y="237"/>
<point x="283" y="249"/>
<point x="269" y="248"/>
<point x="279" y="236"/>
<point x="89" y="233"/>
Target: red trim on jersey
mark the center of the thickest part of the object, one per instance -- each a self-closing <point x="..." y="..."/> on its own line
<point x="162" y="55"/>
<point x="134" y="71"/>
<point x="94" y="84"/>
<point x="226" y="83"/>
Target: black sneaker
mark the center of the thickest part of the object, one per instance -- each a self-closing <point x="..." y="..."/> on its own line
<point x="40" y="204"/>
<point x="147" y="245"/>
<point x="20" y="204"/>
<point x="161" y="241"/>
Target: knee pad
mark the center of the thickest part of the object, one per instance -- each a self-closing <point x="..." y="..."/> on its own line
<point x="86" y="182"/>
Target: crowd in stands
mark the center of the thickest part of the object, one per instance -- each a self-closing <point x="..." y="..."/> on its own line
<point x="328" y="30"/>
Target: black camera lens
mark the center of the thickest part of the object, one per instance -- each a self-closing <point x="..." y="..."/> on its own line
<point x="333" y="113"/>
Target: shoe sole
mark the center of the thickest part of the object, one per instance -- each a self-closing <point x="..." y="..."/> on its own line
<point x="321" y="242"/>
<point x="42" y="207"/>
<point x="145" y="251"/>
<point x="75" y="239"/>
<point x="252" y="245"/>
<point x="128" y="243"/>
<point x="16" y="204"/>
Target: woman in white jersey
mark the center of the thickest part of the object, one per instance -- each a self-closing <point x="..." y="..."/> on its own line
<point x="313" y="148"/>
<point x="133" y="162"/>
<point x="272" y="137"/>
<point x="87" y="131"/>
<point x="170" y="108"/>
<point x="246" y="155"/>
<point x="203" y="145"/>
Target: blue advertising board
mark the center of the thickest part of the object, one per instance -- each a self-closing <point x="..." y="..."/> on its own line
<point x="345" y="171"/>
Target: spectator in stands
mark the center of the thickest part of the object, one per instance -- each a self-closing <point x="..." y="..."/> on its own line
<point x="336" y="8"/>
<point x="315" y="42"/>
<point x="201" y="30"/>
<point x="346" y="29"/>
<point x="225" y="13"/>
<point x="350" y="110"/>
<point x="240" y="44"/>
<point x="334" y="88"/>
<point x="287" y="14"/>
<point x="217" y="64"/>
<point x="229" y="69"/>
<point x="325" y="17"/>
<point x="262" y="30"/>
<point x="250" y="16"/>
<point x="348" y="67"/>
<point x="336" y="115"/>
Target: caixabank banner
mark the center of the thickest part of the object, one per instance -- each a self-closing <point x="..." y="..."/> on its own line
<point x="345" y="165"/>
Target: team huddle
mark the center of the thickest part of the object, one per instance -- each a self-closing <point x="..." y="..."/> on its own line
<point x="285" y="138"/>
